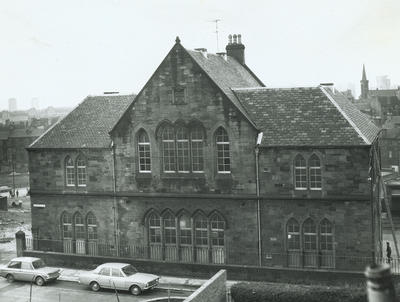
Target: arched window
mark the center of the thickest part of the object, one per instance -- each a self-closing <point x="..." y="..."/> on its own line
<point x="66" y="222"/>
<point x="168" y="149"/>
<point x="91" y="226"/>
<point x="79" y="226"/>
<point x="326" y="235"/>
<point x="315" y="173"/>
<point x="169" y="229"/>
<point x="217" y="230"/>
<point x="81" y="171"/>
<point x="293" y="234"/>
<point x="144" y="152"/>
<point x="309" y="235"/>
<point x="182" y="150"/>
<point x="201" y="230"/>
<point x="197" y="150"/>
<point x="154" y="228"/>
<point x="185" y="230"/>
<point x="69" y="172"/>
<point x="223" y="156"/>
<point x="300" y="173"/>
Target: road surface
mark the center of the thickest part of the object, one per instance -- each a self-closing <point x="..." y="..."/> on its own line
<point x="70" y="291"/>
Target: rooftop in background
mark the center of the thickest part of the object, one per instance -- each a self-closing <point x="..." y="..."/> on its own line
<point x="87" y="126"/>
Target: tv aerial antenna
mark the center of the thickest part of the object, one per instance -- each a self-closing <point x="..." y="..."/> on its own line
<point x="216" y="30"/>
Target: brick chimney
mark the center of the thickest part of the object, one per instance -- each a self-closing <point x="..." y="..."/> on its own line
<point x="235" y="48"/>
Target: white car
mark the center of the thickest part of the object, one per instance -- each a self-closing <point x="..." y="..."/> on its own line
<point x="122" y="276"/>
<point x="29" y="269"/>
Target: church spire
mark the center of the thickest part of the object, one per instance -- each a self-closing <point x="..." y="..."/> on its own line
<point x="364" y="85"/>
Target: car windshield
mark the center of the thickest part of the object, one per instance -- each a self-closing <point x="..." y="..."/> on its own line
<point x="129" y="270"/>
<point x="38" y="264"/>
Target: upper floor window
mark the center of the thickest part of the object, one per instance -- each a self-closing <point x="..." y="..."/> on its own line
<point x="182" y="149"/>
<point x="223" y="152"/>
<point x="81" y="171"/>
<point x="197" y="150"/>
<point x="300" y="173"/>
<point x="168" y="149"/>
<point x="293" y="234"/>
<point x="69" y="171"/>
<point x="144" y="152"/>
<point x="315" y="173"/>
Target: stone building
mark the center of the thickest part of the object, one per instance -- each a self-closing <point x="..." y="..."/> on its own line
<point x="207" y="165"/>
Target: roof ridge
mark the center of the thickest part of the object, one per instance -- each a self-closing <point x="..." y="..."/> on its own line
<point x="275" y="88"/>
<point x="346" y="116"/>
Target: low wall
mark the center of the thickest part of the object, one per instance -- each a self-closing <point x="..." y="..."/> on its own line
<point x="214" y="290"/>
<point x="206" y="271"/>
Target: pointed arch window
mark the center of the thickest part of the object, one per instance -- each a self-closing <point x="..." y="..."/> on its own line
<point x="168" y="149"/>
<point x="79" y="226"/>
<point x="326" y="235"/>
<point x="66" y="222"/>
<point x="197" y="141"/>
<point x="154" y="228"/>
<point x="185" y="230"/>
<point x="293" y="234"/>
<point x="81" y="171"/>
<point x="201" y="230"/>
<point x="300" y="173"/>
<point x="223" y="151"/>
<point x="169" y="229"/>
<point x="217" y="230"/>
<point x="69" y="172"/>
<point x="315" y="173"/>
<point x="144" y="152"/>
<point x="91" y="226"/>
<point x="182" y="150"/>
<point x="309" y="235"/>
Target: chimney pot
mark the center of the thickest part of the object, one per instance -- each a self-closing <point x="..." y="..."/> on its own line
<point x="239" y="39"/>
<point x="235" y="39"/>
<point x="230" y="39"/>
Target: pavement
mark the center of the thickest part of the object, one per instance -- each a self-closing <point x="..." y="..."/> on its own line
<point x="166" y="282"/>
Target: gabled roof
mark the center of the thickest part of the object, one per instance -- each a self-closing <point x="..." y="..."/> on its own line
<point x="87" y="126"/>
<point x="306" y="117"/>
<point x="226" y="73"/>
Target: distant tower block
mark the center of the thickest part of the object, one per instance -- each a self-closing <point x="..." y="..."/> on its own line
<point x="12" y="104"/>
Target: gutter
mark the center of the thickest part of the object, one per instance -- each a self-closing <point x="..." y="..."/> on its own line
<point x="115" y="208"/>
<point x="257" y="153"/>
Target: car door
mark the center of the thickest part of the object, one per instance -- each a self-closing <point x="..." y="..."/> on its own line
<point x="14" y="268"/>
<point x="104" y="277"/>
<point x="117" y="279"/>
<point x="27" y="273"/>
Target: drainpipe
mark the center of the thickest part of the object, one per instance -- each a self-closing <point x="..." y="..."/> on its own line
<point x="115" y="198"/>
<point x="256" y="151"/>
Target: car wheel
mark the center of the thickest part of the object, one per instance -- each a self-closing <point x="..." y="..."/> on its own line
<point x="39" y="281"/>
<point x="95" y="286"/>
<point x="135" y="290"/>
<point x="10" y="278"/>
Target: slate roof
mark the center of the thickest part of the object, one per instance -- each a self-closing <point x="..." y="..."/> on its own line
<point x="88" y="125"/>
<point x="226" y="74"/>
<point x="306" y="117"/>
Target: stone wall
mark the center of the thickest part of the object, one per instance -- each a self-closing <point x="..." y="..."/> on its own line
<point x="214" y="290"/>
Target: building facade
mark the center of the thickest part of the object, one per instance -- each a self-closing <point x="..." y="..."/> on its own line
<point x="207" y="165"/>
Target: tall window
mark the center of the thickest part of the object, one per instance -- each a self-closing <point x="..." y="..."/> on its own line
<point x="201" y="230"/>
<point x="154" y="228"/>
<point x="315" y="173"/>
<point x="81" y="171"/>
<point x="217" y="230"/>
<point x="326" y="235"/>
<point x="169" y="229"/>
<point x="69" y="171"/>
<point x="309" y="235"/>
<point x="91" y="226"/>
<point x="79" y="227"/>
<point x="300" y="173"/>
<point x="144" y="152"/>
<point x="185" y="230"/>
<point x="223" y="156"/>
<point x="197" y="150"/>
<point x="66" y="221"/>
<point x="293" y="234"/>
<point x="168" y="146"/>
<point x="182" y="149"/>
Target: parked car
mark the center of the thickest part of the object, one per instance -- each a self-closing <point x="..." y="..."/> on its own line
<point x="29" y="269"/>
<point x="120" y="276"/>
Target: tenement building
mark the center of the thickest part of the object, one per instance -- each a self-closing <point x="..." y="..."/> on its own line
<point x="207" y="165"/>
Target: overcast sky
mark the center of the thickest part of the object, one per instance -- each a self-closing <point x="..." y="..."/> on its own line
<point x="61" y="51"/>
